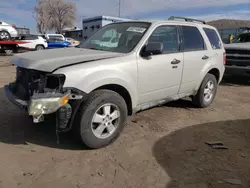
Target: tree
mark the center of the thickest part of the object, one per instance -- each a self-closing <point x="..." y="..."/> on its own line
<point x="41" y="16"/>
<point x="54" y="15"/>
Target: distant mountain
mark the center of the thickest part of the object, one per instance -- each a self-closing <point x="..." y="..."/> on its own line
<point x="226" y="23"/>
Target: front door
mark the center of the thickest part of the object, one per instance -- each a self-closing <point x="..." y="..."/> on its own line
<point x="159" y="76"/>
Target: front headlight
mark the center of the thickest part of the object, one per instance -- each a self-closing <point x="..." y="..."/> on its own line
<point x="42" y="106"/>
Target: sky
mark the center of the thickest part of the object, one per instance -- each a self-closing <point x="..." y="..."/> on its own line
<point x="19" y="12"/>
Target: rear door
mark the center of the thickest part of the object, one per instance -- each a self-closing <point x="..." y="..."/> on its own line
<point x="217" y="51"/>
<point x="196" y="55"/>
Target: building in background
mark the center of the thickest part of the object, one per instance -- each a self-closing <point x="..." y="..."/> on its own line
<point x="91" y="25"/>
<point x="75" y="33"/>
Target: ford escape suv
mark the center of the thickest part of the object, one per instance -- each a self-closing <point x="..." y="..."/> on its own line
<point x="91" y="89"/>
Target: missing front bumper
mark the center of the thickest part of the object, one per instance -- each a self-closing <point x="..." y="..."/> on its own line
<point x="18" y="102"/>
<point x="64" y="115"/>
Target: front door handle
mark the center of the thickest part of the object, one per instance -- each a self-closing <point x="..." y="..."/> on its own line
<point x="205" y="57"/>
<point x="175" y="61"/>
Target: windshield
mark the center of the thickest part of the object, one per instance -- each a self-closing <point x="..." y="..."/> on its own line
<point x="125" y="35"/>
<point x="242" y="38"/>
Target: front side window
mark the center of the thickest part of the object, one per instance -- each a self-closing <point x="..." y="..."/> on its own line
<point x="127" y="34"/>
<point x="168" y="36"/>
<point x="193" y="40"/>
<point x="213" y="38"/>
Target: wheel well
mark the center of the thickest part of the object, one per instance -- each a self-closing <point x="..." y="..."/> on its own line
<point x="121" y="91"/>
<point x="4" y="30"/>
<point x="216" y="73"/>
<point x="40" y="45"/>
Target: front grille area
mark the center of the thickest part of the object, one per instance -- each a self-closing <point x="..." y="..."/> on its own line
<point x="27" y="82"/>
<point x="238" y="57"/>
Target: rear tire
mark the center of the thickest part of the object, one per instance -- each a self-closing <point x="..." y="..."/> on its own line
<point x="100" y="118"/>
<point x="39" y="47"/>
<point x="207" y="92"/>
<point x="4" y="35"/>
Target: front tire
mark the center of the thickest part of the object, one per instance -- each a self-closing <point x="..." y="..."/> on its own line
<point x="100" y="119"/>
<point x="207" y="91"/>
<point x="39" y="47"/>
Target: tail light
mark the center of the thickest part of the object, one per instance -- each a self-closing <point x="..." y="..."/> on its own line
<point x="14" y="26"/>
<point x="224" y="58"/>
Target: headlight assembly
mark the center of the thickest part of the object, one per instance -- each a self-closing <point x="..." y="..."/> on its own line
<point x="44" y="105"/>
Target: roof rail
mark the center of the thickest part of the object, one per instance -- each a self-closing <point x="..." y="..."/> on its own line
<point x="186" y="19"/>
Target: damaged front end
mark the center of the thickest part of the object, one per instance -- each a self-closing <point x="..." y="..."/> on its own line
<point x="41" y="93"/>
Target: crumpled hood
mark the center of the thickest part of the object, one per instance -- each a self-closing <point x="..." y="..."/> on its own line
<point x="240" y="46"/>
<point x="49" y="60"/>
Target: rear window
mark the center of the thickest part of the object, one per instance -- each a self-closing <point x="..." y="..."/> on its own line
<point x="213" y="38"/>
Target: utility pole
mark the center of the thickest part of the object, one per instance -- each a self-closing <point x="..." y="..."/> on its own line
<point x="119" y="9"/>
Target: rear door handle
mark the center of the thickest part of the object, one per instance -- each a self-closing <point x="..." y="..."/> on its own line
<point x="205" y="57"/>
<point x="175" y="61"/>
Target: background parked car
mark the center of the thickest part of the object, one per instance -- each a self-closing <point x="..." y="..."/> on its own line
<point x="33" y="42"/>
<point x="7" y="31"/>
<point x="72" y="41"/>
<point x="57" y="42"/>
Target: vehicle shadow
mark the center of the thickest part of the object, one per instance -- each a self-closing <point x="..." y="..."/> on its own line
<point x="190" y="162"/>
<point x="181" y="103"/>
<point x="16" y="127"/>
<point x="229" y="80"/>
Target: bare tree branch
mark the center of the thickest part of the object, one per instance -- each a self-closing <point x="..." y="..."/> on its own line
<point x="54" y="15"/>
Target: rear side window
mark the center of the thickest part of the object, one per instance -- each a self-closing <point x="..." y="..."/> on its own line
<point x="29" y="37"/>
<point x="193" y="39"/>
<point x="213" y="38"/>
<point x="55" y="38"/>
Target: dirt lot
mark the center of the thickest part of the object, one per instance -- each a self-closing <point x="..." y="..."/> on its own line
<point x="162" y="147"/>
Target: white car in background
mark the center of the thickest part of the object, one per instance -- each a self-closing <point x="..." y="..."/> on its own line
<point x="7" y="31"/>
<point x="110" y="42"/>
<point x="72" y="41"/>
<point x="34" y="42"/>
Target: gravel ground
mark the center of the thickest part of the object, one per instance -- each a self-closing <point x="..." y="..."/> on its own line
<point x="162" y="147"/>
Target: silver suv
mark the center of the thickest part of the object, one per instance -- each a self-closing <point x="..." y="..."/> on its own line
<point x="93" y="88"/>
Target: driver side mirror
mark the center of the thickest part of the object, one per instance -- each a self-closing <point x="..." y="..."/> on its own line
<point x="152" y="48"/>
